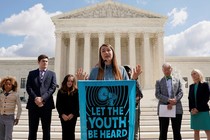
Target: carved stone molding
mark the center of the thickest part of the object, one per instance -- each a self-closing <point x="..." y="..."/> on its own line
<point x="154" y="42"/>
<point x="117" y="35"/>
<point x="109" y="11"/>
<point x="101" y="34"/>
<point x="131" y="34"/>
<point x="72" y="35"/>
<point x="146" y="35"/>
<point x="159" y="34"/>
<point x="66" y="41"/>
<point x="87" y="35"/>
<point x="58" y="34"/>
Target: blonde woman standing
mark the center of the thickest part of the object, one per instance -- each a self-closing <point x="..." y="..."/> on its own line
<point x="198" y="104"/>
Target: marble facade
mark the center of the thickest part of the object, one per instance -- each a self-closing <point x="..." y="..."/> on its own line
<point x="135" y="34"/>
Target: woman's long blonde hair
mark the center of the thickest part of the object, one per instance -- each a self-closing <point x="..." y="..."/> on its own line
<point x="201" y="78"/>
<point x="101" y="65"/>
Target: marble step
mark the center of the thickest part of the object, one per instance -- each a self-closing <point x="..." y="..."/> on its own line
<point x="149" y="125"/>
<point x="144" y="135"/>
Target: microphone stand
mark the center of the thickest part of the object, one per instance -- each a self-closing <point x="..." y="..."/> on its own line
<point x="104" y="69"/>
<point x="139" y="119"/>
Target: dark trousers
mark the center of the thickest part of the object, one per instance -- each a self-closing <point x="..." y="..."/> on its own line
<point x="68" y="129"/>
<point x="176" y="126"/>
<point x="34" y="116"/>
<point x="137" y="123"/>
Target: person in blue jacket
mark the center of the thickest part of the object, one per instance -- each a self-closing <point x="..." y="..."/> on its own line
<point x="107" y="67"/>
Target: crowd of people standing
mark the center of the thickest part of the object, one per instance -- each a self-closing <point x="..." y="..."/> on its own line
<point x="41" y="85"/>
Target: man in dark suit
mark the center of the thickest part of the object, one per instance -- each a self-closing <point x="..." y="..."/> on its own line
<point x="40" y="86"/>
<point x="169" y="92"/>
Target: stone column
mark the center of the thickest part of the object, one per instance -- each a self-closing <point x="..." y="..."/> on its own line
<point x="72" y="53"/>
<point x="87" y="53"/>
<point x="132" y="50"/>
<point x="117" y="37"/>
<point x="58" y="57"/>
<point x="160" y="53"/>
<point x="155" y="60"/>
<point x="147" y="66"/>
<point x="101" y="39"/>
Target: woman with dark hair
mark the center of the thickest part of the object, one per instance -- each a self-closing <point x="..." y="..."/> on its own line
<point x="67" y="105"/>
<point x="107" y="67"/>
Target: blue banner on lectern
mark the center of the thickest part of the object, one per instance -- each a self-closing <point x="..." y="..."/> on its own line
<point x="107" y="109"/>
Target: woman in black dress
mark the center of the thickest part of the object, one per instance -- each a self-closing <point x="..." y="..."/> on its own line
<point x="67" y="105"/>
